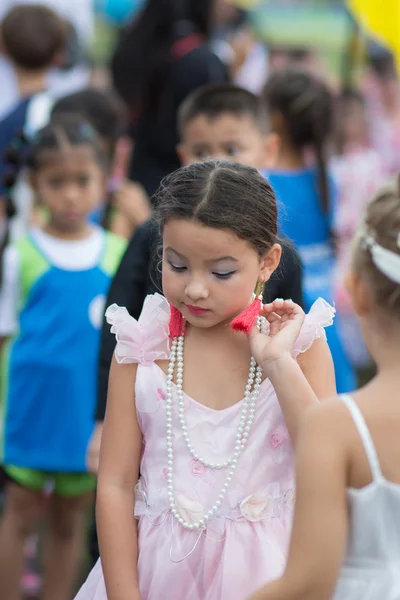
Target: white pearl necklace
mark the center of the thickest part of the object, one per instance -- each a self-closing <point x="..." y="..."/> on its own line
<point x="246" y="420"/>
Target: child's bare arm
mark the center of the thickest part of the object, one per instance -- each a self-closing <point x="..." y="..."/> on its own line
<point x="300" y="384"/>
<point x="321" y="519"/>
<point x="317" y="366"/>
<point x="118" y="475"/>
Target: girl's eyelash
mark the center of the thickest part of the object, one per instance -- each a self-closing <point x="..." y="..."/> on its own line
<point x="177" y="269"/>
<point x="217" y="275"/>
<point x="224" y="275"/>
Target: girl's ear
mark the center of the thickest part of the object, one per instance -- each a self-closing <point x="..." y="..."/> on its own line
<point x="359" y="294"/>
<point x="183" y="155"/>
<point x="270" y="262"/>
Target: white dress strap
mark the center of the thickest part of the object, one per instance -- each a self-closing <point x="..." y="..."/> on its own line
<point x="365" y="436"/>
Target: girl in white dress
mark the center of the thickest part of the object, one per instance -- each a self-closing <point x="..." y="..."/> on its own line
<point x="346" y="535"/>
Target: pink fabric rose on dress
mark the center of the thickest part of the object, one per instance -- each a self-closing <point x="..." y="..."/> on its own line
<point x="277" y="438"/>
<point x="279" y="444"/>
<point x="164" y="474"/>
<point x="198" y="469"/>
<point x="161" y="394"/>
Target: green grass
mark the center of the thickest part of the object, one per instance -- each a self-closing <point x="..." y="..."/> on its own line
<point x="327" y="30"/>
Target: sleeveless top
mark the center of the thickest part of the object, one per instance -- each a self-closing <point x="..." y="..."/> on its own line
<point x="371" y="569"/>
<point x="48" y="382"/>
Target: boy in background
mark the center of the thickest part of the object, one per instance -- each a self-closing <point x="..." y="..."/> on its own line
<point x="69" y="74"/>
<point x="33" y="37"/>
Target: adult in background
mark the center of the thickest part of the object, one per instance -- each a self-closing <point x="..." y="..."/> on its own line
<point x="162" y="57"/>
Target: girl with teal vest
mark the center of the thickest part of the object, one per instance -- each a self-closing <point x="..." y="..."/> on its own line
<point x="52" y="296"/>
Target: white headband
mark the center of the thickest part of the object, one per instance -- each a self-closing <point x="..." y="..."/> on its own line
<point x="385" y="260"/>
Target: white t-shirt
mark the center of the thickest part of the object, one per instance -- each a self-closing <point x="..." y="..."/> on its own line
<point x="81" y="15"/>
<point x="76" y="255"/>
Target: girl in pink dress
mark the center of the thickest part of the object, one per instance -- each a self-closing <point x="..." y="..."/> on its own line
<point x="201" y="418"/>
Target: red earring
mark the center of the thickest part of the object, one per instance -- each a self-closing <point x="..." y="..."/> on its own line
<point x="176" y="323"/>
<point x="247" y="318"/>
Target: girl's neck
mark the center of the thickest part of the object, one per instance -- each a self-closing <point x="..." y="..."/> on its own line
<point x="79" y="233"/>
<point x="383" y="342"/>
<point x="290" y="158"/>
<point x="387" y="358"/>
<point x="216" y="337"/>
<point x="384" y="387"/>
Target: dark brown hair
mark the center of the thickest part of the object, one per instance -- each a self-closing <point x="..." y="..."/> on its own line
<point x="102" y="109"/>
<point x="306" y="105"/>
<point x="382" y="224"/>
<point x="33" y="35"/>
<point x="222" y="195"/>
<point x="213" y="100"/>
<point x="64" y="132"/>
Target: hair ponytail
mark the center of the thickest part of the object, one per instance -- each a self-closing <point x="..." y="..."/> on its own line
<point x="306" y="105"/>
<point x="14" y="159"/>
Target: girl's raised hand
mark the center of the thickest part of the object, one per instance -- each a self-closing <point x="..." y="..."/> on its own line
<point x="285" y="321"/>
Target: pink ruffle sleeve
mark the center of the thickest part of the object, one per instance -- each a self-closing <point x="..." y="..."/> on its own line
<point x="321" y="315"/>
<point x="146" y="340"/>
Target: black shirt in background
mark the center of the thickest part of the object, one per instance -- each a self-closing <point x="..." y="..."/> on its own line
<point x="139" y="274"/>
<point x="156" y="134"/>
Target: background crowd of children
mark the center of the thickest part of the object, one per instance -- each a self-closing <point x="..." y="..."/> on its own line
<point x="78" y="172"/>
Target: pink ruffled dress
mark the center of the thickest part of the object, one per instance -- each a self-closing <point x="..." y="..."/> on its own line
<point x="245" y="545"/>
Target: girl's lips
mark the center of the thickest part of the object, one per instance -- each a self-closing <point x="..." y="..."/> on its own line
<point x="195" y="310"/>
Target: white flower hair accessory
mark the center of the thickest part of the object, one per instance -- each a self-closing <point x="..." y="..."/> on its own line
<point x="386" y="261"/>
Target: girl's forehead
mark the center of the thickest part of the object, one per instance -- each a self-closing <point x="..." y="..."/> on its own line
<point x="191" y="238"/>
<point x="70" y="156"/>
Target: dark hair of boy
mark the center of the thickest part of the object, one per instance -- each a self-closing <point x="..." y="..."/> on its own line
<point x="214" y="100"/>
<point x="33" y="36"/>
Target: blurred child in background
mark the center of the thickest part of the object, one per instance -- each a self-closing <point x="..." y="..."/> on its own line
<point x="126" y="205"/>
<point x="300" y="106"/>
<point x="33" y="38"/>
<point x="382" y="93"/>
<point x="52" y="299"/>
<point x="359" y="172"/>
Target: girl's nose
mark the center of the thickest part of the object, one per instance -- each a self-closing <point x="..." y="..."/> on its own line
<point x="196" y="290"/>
